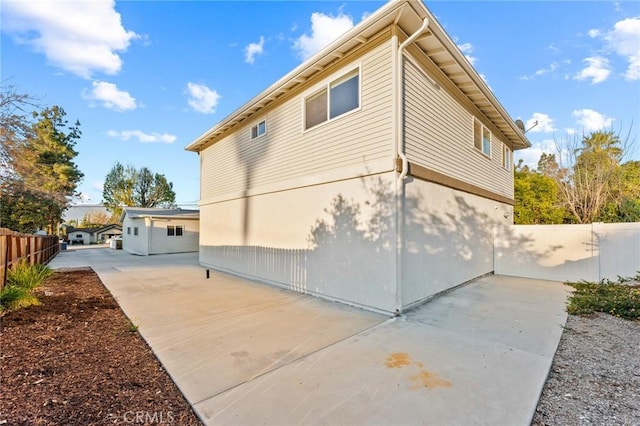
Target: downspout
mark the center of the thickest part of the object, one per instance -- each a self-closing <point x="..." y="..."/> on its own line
<point x="403" y="162"/>
<point x="399" y="109"/>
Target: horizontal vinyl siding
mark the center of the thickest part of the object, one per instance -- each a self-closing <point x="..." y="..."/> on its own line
<point x="286" y="153"/>
<point x="439" y="136"/>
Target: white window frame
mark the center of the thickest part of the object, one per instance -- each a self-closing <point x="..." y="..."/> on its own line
<point x="256" y="127"/>
<point x="507" y="157"/>
<point x="128" y="230"/>
<point x="326" y="87"/>
<point x="135" y="231"/>
<point x="483" y="129"/>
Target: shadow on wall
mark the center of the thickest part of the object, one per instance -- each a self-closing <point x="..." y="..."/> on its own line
<point x="352" y="249"/>
<point x="352" y="255"/>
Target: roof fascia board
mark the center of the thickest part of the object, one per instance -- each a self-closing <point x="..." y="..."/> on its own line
<point x="392" y="7"/>
<point x="452" y="49"/>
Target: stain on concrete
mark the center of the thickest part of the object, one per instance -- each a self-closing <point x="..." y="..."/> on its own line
<point x="398" y="360"/>
<point x="424" y="378"/>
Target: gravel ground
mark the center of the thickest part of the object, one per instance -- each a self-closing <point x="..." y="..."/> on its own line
<point x="595" y="376"/>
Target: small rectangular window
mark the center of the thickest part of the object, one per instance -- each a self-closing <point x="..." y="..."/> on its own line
<point x="259" y="129"/>
<point x="175" y="230"/>
<point x="506" y="157"/>
<point x="339" y="97"/>
<point x="481" y="138"/>
<point x="135" y="230"/>
<point x="128" y="230"/>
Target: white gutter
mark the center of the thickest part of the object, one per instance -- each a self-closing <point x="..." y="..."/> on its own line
<point x="398" y="104"/>
<point x="398" y="119"/>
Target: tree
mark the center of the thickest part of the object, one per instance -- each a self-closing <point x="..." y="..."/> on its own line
<point x="536" y="196"/>
<point x="95" y="220"/>
<point x="589" y="176"/>
<point x="38" y="172"/>
<point x="128" y="187"/>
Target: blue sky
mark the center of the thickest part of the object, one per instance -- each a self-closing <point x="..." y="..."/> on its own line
<point x="145" y="78"/>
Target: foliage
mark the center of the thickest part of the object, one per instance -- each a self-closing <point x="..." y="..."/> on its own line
<point x="585" y="181"/>
<point x="95" y="220"/>
<point x="37" y="173"/>
<point x="129" y="187"/>
<point x="620" y="298"/>
<point x="536" y="198"/>
<point x="22" y="280"/>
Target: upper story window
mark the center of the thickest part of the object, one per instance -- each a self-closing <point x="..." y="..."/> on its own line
<point x="128" y="230"/>
<point x="506" y="157"/>
<point x="481" y="138"/>
<point x="259" y="129"/>
<point x="338" y="97"/>
<point x="175" y="230"/>
<point x="135" y="230"/>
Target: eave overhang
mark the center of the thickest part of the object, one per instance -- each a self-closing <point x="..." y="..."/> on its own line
<point x="435" y="44"/>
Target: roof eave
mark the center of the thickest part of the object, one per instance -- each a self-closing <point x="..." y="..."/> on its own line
<point x="280" y="87"/>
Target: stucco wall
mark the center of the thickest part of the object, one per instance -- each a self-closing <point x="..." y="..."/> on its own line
<point x="447" y="238"/>
<point x="161" y="243"/>
<point x="336" y="240"/>
<point x="135" y="244"/>
<point x="569" y="252"/>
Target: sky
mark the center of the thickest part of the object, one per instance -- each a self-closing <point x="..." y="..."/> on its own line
<point x="146" y="78"/>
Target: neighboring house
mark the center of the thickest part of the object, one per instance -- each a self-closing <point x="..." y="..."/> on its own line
<point x="93" y="235"/>
<point x="148" y="231"/>
<point x="374" y="173"/>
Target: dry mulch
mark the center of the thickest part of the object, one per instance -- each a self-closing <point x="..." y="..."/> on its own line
<point x="77" y="360"/>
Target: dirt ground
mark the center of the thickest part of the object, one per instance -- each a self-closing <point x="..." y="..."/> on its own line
<point x="77" y="360"/>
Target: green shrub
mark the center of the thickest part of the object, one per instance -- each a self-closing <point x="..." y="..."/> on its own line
<point x="616" y="298"/>
<point x="22" y="280"/>
<point x="12" y="297"/>
<point x="27" y="276"/>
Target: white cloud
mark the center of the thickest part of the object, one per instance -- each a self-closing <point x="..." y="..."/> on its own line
<point x="202" y="99"/>
<point x="598" y="70"/>
<point x="531" y="156"/>
<point x="545" y="123"/>
<point x="324" y="30"/>
<point x="542" y="71"/>
<point x="82" y="37"/>
<point x="98" y="185"/>
<point x="594" y="33"/>
<point x="143" y="137"/>
<point x="252" y="50"/>
<point x="110" y="96"/>
<point x="467" y="49"/>
<point x="591" y="120"/>
<point x="624" y="39"/>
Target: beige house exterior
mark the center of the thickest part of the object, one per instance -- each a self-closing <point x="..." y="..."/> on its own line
<point x="147" y="231"/>
<point x="375" y="173"/>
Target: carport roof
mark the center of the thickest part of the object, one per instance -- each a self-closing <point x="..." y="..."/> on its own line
<point x="138" y="212"/>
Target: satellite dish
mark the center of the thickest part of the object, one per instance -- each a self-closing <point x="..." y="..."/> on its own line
<point x="520" y="125"/>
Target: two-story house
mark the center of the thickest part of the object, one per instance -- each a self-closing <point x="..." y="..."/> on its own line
<point x="374" y="173"/>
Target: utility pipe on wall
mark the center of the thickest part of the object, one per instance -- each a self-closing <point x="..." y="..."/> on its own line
<point x="398" y="124"/>
<point x="399" y="92"/>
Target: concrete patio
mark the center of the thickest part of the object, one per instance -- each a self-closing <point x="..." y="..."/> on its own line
<point x="248" y="353"/>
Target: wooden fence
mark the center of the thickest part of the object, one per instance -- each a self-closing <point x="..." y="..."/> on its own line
<point x="33" y="248"/>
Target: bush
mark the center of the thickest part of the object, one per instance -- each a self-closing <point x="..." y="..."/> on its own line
<point x="22" y="280"/>
<point x="620" y="298"/>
